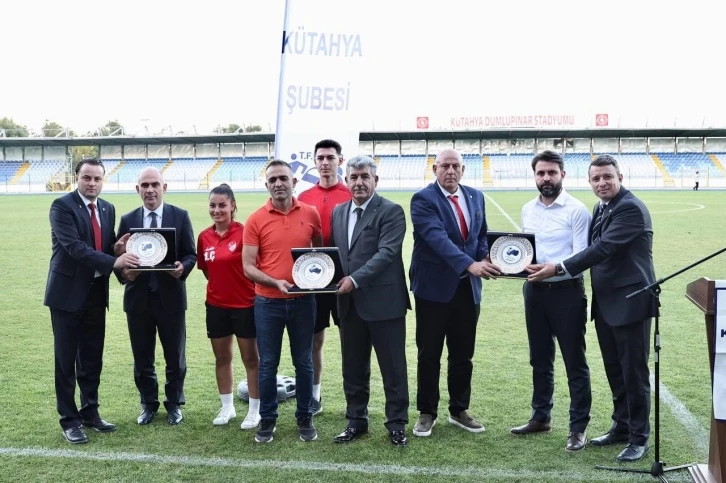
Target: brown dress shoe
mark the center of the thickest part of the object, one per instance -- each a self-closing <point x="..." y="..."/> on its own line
<point x="576" y="441"/>
<point x="531" y="427"/>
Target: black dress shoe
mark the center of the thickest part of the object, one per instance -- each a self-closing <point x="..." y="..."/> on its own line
<point x="610" y="438"/>
<point x="398" y="438"/>
<point x="100" y="425"/>
<point x="632" y="452"/>
<point x="531" y="427"/>
<point x="146" y="417"/>
<point x="350" y="434"/>
<point x="75" y="435"/>
<point x="175" y="415"/>
<point x="576" y="441"/>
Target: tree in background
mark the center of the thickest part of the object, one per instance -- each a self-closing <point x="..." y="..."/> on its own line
<point x="112" y="127"/>
<point x="53" y="129"/>
<point x="253" y="128"/>
<point x="83" y="152"/>
<point x="12" y="129"/>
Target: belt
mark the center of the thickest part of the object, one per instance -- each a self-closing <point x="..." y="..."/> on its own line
<point x="557" y="285"/>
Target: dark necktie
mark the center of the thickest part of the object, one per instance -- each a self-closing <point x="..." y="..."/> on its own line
<point x="96" y="229"/>
<point x="358" y="213"/>
<point x="153" y="282"/>
<point x="596" y="225"/>
<point x="462" y="220"/>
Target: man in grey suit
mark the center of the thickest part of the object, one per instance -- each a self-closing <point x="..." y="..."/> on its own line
<point x="372" y="300"/>
<point x="620" y="259"/>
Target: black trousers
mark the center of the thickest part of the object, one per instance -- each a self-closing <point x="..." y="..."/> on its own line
<point x="172" y="334"/>
<point x="455" y="323"/>
<point x="388" y="338"/>
<point x="78" y="339"/>
<point x="558" y="311"/>
<point x="625" y="351"/>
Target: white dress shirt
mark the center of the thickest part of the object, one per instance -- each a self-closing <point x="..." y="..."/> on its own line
<point x="87" y="202"/>
<point x="352" y="220"/>
<point x="560" y="229"/>
<point x="352" y="217"/>
<point x="147" y="216"/>
<point x="462" y="203"/>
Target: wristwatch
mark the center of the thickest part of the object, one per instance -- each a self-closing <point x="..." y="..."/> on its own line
<point x="559" y="270"/>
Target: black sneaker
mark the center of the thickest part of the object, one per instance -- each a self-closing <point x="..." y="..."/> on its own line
<point x="265" y="431"/>
<point x="306" y="428"/>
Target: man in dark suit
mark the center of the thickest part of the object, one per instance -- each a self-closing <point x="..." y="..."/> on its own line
<point x="620" y="259"/>
<point x="449" y="259"/>
<point x="158" y="301"/>
<point x="372" y="300"/>
<point x="77" y="294"/>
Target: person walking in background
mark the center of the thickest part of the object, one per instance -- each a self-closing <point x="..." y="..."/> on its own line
<point x="230" y="304"/>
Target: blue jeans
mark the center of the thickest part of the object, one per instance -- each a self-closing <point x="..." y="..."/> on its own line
<point x="271" y="318"/>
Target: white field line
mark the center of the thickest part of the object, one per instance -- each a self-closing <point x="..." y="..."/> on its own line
<point x="506" y="215"/>
<point x="696" y="431"/>
<point x="366" y="469"/>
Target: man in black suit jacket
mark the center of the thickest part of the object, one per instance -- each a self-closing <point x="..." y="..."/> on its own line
<point x="77" y="294"/>
<point x="158" y="301"/>
<point x="620" y="258"/>
<point x="372" y="300"/>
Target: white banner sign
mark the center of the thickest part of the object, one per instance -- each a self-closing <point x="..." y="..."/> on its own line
<point x="719" y="370"/>
<point x="320" y="84"/>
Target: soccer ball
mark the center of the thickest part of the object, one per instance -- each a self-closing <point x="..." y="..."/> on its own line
<point x="285" y="389"/>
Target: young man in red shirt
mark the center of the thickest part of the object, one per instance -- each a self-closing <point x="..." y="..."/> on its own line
<point x="329" y="192"/>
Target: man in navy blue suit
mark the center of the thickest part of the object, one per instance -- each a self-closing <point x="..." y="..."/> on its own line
<point x="158" y="301"/>
<point x="449" y="259"/>
<point x="77" y="295"/>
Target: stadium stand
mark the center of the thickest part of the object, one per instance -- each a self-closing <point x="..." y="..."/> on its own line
<point x="8" y="169"/>
<point x="239" y="169"/>
<point x="40" y="171"/>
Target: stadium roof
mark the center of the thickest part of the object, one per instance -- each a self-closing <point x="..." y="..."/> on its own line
<point x="419" y="135"/>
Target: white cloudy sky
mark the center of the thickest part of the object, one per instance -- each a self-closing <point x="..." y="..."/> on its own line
<point x="203" y="63"/>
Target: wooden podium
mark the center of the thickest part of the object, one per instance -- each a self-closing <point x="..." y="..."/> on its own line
<point x="702" y="292"/>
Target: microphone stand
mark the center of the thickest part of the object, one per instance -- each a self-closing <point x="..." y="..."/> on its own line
<point x="658" y="469"/>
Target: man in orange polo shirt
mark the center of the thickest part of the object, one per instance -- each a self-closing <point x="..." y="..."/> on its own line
<point x="325" y="195"/>
<point x="271" y="232"/>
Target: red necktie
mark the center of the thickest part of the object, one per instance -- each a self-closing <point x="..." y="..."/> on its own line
<point x="462" y="220"/>
<point x="96" y="228"/>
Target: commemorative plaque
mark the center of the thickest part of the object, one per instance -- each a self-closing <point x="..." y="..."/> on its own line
<point x="316" y="270"/>
<point x="512" y="252"/>
<point x="155" y="247"/>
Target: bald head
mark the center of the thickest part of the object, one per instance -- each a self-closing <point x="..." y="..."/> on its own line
<point x="449" y="168"/>
<point x="151" y="187"/>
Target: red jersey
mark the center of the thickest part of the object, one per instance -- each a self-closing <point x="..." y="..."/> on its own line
<point x="221" y="258"/>
<point x="325" y="199"/>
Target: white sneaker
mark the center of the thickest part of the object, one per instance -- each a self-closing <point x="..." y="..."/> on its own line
<point x="251" y="421"/>
<point x="224" y="415"/>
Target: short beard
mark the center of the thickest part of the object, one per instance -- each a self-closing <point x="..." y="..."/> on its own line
<point x="550" y="192"/>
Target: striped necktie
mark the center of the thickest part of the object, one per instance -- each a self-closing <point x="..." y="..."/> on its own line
<point x="598" y="222"/>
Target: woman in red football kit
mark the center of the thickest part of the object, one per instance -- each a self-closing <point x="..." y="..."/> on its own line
<point x="230" y="304"/>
